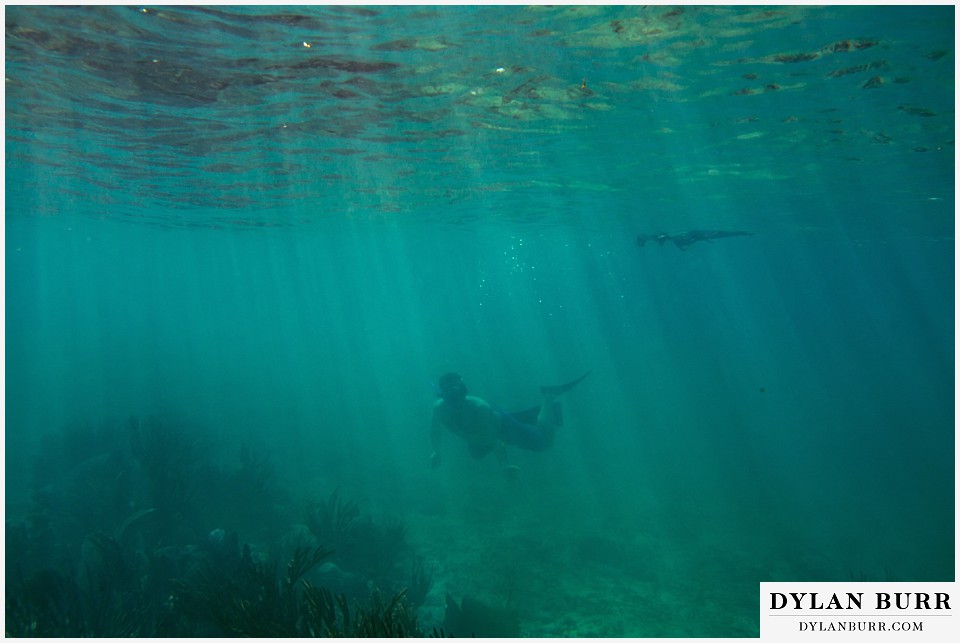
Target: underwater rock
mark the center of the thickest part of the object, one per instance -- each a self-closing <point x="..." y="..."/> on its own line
<point x="475" y="618"/>
<point x="343" y="582"/>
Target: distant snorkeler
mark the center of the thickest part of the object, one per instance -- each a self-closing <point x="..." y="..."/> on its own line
<point x="684" y="239"/>
<point x="485" y="429"/>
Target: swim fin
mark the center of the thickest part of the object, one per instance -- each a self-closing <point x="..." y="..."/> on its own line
<point x="562" y="388"/>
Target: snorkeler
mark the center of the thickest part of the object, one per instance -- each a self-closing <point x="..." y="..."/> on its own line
<point x="486" y="429"/>
<point x="685" y="239"/>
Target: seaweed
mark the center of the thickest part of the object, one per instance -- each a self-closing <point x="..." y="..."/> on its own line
<point x="84" y="479"/>
<point x="329" y="615"/>
<point x="46" y="604"/>
<point x="421" y="582"/>
<point x="118" y="542"/>
<point x="174" y="461"/>
<point x="256" y="477"/>
<point x="256" y="601"/>
<point x="104" y="600"/>
<point x="247" y="597"/>
<point x="122" y="592"/>
<point x="375" y="548"/>
<point x="380" y="619"/>
<point x="362" y="545"/>
<point x="330" y="520"/>
<point x="249" y="496"/>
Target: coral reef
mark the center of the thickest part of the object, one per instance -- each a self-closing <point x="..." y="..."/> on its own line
<point x="135" y="528"/>
<point x="363" y="545"/>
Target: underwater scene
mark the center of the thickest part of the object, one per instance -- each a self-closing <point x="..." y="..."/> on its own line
<point x="567" y="321"/>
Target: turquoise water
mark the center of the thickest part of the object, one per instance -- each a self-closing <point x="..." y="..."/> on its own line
<point x="280" y="226"/>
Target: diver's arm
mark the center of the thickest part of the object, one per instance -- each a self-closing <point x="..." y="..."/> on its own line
<point x="436" y="432"/>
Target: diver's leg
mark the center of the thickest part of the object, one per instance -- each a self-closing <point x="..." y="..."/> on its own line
<point x="532" y="437"/>
<point x="549" y="417"/>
